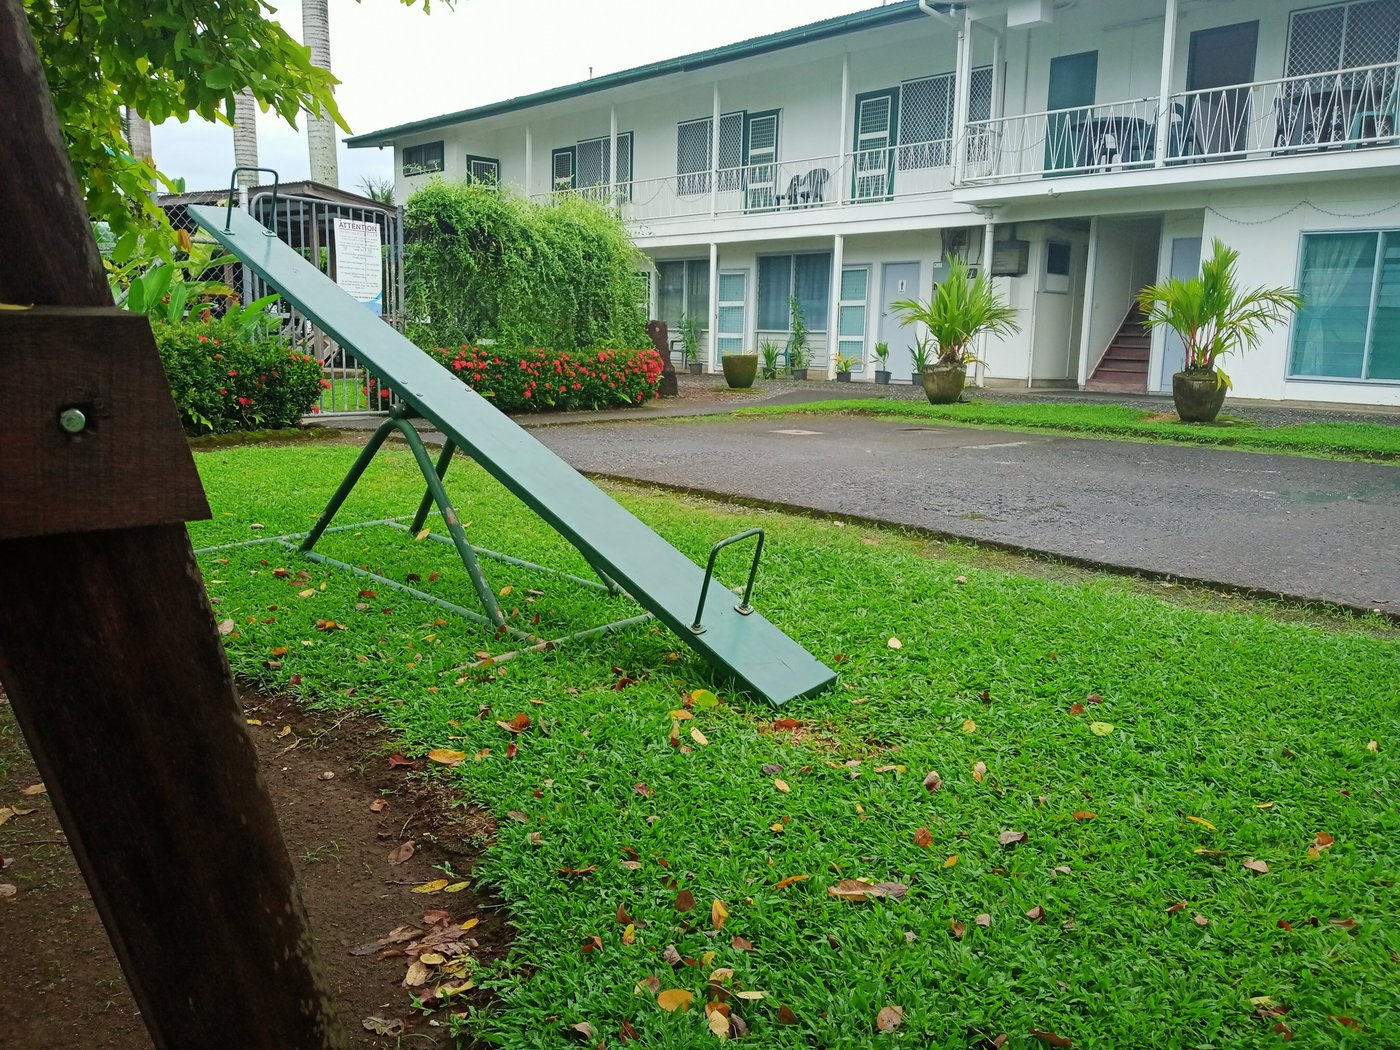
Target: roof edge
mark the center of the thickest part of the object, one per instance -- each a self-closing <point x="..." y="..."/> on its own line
<point x="840" y="25"/>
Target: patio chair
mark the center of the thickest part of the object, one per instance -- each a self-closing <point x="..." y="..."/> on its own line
<point x="813" y="186"/>
<point x="1381" y="120"/>
<point x="793" y="191"/>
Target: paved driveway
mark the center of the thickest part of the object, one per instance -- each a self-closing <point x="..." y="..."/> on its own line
<point x="1307" y="528"/>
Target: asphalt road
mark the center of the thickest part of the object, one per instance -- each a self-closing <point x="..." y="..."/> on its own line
<point x="1305" y="528"/>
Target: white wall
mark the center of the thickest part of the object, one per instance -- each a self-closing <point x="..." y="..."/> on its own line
<point x="1267" y="230"/>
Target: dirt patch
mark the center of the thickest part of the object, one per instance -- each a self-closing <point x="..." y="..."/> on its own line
<point x="62" y="987"/>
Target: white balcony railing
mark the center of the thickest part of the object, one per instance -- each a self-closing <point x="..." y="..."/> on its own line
<point x="1341" y="109"/>
<point x="831" y="181"/>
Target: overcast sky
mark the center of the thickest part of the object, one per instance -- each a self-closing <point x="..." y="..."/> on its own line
<point x="397" y="64"/>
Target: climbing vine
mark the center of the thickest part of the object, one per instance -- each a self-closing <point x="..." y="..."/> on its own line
<point x="483" y="264"/>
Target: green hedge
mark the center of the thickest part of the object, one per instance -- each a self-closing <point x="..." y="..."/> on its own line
<point x="481" y="263"/>
<point x="535" y="380"/>
<point x="223" y="380"/>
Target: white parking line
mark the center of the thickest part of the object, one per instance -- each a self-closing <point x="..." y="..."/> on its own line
<point x="1003" y="444"/>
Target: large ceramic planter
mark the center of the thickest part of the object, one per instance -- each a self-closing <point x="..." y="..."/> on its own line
<point x="1198" y="396"/>
<point x="740" y="370"/>
<point x="943" y="384"/>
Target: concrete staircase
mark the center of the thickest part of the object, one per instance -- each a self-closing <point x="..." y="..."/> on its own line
<point x="1123" y="369"/>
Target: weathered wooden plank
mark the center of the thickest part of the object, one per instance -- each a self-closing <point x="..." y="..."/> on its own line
<point x="115" y="671"/>
<point x="122" y="460"/>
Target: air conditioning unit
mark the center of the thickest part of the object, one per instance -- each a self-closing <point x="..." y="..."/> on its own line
<point x="1010" y="258"/>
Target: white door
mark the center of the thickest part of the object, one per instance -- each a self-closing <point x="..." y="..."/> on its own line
<point x="900" y="281"/>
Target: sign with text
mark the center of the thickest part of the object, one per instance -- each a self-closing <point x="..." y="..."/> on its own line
<point x="359" y="267"/>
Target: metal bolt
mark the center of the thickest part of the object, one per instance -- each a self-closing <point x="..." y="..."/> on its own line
<point x="72" y="420"/>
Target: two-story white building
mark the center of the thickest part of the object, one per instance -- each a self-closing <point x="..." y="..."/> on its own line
<point x="1080" y="149"/>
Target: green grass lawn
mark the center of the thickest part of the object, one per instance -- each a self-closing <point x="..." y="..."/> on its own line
<point x="1349" y="440"/>
<point x="1219" y="738"/>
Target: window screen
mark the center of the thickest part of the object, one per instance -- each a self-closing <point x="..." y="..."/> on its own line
<point x="419" y="160"/>
<point x="925" y="121"/>
<point x="1343" y="36"/>
<point x="774" y="287"/>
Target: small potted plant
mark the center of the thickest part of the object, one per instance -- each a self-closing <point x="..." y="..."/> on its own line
<point x="740" y="370"/>
<point x="962" y="308"/>
<point x="843" y="368"/>
<point x="770" y="353"/>
<point x="690" y="343"/>
<point x="920" y="357"/>
<point x="1214" y="317"/>
<point x="797" y="341"/>
<point x="882" y="355"/>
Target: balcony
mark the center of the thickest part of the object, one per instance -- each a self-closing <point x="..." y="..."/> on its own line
<point x="786" y="187"/>
<point x="1339" y="110"/>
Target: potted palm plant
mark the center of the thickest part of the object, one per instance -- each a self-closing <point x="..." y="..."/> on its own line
<point x="920" y="357"/>
<point x="770" y="353"/>
<point x="843" y="368"/>
<point x="1214" y="317"/>
<point x="882" y="355"/>
<point x="962" y="308"/>
<point x="797" y="341"/>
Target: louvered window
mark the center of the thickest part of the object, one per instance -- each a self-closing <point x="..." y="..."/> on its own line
<point x="422" y="160"/>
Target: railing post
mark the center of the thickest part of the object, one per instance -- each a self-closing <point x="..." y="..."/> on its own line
<point x="714" y="155"/>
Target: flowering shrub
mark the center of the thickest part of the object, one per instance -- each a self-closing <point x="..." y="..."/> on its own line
<point x="225" y="380"/>
<point x="535" y="380"/>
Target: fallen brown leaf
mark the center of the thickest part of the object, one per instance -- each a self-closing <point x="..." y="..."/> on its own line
<point x="979" y="771"/>
<point x="984" y="920"/>
<point x="719" y="912"/>
<point x="685" y="900"/>
<point x="890" y="1018"/>
<point x="673" y="999"/>
<point x="740" y="944"/>
<point x="401" y="852"/>
<point x="783" y="884"/>
<point x="958" y="928"/>
<point x="1255" y="865"/>
<point x="1036" y="914"/>
<point x="859" y="890"/>
<point x="785" y="1015"/>
<point x="933" y="781"/>
<point x="1051" y="1039"/>
<point x="1011" y="838"/>
<point x="923" y="838"/>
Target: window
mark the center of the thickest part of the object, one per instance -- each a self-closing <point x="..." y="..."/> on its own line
<point x="1349" y="326"/>
<point x="588" y="165"/>
<point x="1057" y="261"/>
<point x="1343" y="36"/>
<point x="693" y="141"/>
<point x="925" y="122"/>
<point x="683" y="287"/>
<point x="806" y="276"/>
<point x="484" y="169"/>
<point x="423" y="159"/>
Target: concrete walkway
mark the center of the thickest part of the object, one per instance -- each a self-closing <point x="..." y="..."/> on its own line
<point x="1302" y="528"/>
<point x="1308" y="529"/>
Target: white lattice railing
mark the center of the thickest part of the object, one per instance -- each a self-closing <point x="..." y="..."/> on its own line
<point x="1345" y="108"/>
<point x="831" y="181"/>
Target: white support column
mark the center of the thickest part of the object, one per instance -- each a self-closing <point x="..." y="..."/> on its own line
<point x="714" y="154"/>
<point x="843" y="178"/>
<point x="962" y="80"/>
<point x="989" y="234"/>
<point x="998" y="102"/>
<point x="714" y="305"/>
<point x="833" y="314"/>
<point x="1164" y="107"/>
<point x="612" y="146"/>
<point x="529" y="161"/>
<point x="1088" y="308"/>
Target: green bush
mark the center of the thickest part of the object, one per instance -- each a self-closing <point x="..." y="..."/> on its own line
<point x="225" y="380"/>
<point x="535" y="380"/>
<point x="483" y="263"/>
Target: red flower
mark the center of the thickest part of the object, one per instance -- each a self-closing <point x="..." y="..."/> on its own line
<point x="204" y="339"/>
<point x="233" y="371"/>
<point x="245" y="401"/>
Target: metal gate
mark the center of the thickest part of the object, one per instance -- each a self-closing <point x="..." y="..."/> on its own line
<point x="308" y="225"/>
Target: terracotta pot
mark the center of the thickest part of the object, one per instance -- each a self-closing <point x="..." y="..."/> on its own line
<point x="943" y="384"/>
<point x="1198" y="396"/>
<point x="740" y="370"/>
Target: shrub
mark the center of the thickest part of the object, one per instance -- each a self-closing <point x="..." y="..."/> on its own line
<point x="482" y="263"/>
<point x="223" y="379"/>
<point x="535" y="380"/>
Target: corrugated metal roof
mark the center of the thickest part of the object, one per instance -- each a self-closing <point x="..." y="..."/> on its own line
<point x="759" y="45"/>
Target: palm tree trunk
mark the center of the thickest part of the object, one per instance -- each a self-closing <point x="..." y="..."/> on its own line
<point x="138" y="135"/>
<point x="320" y="130"/>
<point x="245" y="137"/>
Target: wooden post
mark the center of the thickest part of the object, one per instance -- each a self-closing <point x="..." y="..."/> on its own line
<point x="112" y="661"/>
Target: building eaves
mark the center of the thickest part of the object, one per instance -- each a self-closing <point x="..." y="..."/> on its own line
<point x="889" y="14"/>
